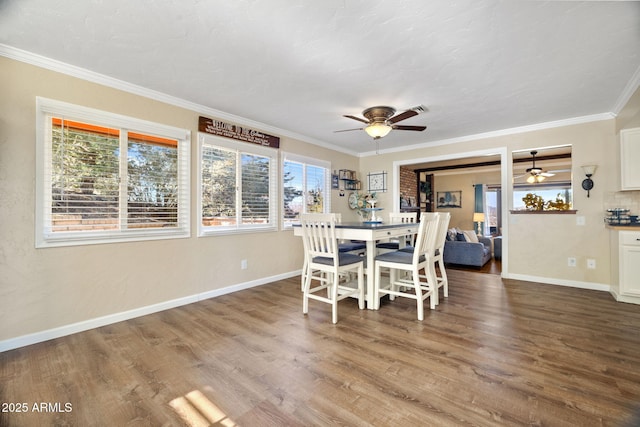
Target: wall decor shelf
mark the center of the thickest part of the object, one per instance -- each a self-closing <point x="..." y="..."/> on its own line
<point x="349" y="179"/>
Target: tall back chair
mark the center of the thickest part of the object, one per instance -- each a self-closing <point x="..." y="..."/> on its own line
<point x="418" y="287"/>
<point x="394" y="218"/>
<point x="436" y="259"/>
<point x="349" y="245"/>
<point x="325" y="263"/>
<point x="358" y="248"/>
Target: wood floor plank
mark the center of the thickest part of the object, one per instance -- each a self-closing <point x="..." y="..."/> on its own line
<point x="496" y="352"/>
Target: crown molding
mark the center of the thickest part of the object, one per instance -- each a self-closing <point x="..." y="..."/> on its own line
<point x="104" y="80"/>
<point x="627" y="92"/>
<point x="498" y="133"/>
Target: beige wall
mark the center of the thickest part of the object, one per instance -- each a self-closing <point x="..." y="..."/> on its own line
<point x="464" y="181"/>
<point x="43" y="289"/>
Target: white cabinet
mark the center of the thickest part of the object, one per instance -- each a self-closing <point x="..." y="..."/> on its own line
<point x="629" y="159"/>
<point x="625" y="257"/>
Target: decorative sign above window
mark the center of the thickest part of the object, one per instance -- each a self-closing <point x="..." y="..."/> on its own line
<point x="219" y="128"/>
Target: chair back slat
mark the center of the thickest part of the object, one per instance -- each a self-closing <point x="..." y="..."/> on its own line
<point x="403" y="217"/>
<point x="427" y="235"/>
<point x="443" y="227"/>
<point x="319" y="235"/>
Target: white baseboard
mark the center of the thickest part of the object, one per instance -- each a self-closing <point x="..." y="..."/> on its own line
<point x="97" y="322"/>
<point x="560" y="282"/>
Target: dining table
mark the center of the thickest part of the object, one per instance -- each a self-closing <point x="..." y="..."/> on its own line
<point x="370" y="233"/>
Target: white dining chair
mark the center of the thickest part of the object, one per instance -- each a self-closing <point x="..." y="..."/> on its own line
<point x="348" y="246"/>
<point x="326" y="264"/>
<point x="415" y="286"/>
<point x="394" y="218"/>
<point x="351" y="246"/>
<point x="437" y="259"/>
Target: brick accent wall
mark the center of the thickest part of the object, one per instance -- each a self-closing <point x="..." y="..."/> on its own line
<point x="408" y="183"/>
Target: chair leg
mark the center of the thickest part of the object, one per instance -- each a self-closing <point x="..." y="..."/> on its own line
<point x="393" y="276"/>
<point x="304" y="274"/>
<point x="432" y="281"/>
<point x="334" y="298"/>
<point x="361" y="288"/>
<point x="376" y="288"/>
<point x="444" y="278"/>
<point x="419" y="301"/>
<point x="305" y="295"/>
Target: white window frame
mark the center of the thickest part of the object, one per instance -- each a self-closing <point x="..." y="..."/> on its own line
<point x="45" y="237"/>
<point x="239" y="147"/>
<point x="306" y="161"/>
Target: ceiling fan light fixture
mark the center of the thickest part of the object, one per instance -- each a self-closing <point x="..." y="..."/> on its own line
<point x="535" y="179"/>
<point x="378" y="130"/>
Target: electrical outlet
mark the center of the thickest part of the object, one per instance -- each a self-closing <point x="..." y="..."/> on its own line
<point x="243" y="264"/>
<point x="580" y="220"/>
<point x="591" y="263"/>
<point x="571" y="262"/>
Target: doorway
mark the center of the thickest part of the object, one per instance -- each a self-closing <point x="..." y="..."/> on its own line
<point x="459" y="174"/>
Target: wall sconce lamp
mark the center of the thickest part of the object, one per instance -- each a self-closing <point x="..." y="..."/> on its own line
<point x="587" y="184"/>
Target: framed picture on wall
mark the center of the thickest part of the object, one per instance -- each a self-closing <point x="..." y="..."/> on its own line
<point x="449" y="199"/>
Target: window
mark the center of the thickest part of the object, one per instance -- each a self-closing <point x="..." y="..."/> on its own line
<point x="238" y="186"/>
<point x="306" y="184"/>
<point x="103" y="177"/>
<point x="493" y="210"/>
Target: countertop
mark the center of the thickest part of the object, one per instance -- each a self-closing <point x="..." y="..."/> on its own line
<point x="628" y="227"/>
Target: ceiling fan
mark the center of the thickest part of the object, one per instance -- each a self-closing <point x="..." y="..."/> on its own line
<point x="380" y="120"/>
<point x="536" y="174"/>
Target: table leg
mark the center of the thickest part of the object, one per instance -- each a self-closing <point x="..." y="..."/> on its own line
<point x="371" y="256"/>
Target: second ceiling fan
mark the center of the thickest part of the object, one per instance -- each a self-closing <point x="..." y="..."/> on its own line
<point x="380" y="120"/>
<point x="536" y="174"/>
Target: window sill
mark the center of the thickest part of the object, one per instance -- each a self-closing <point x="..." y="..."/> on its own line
<point x="567" y="212"/>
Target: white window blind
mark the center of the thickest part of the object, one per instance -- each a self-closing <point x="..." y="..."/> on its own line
<point x="104" y="177"/>
<point x="238" y="186"/>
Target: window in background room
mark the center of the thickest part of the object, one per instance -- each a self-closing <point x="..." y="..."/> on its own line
<point x="238" y="186"/>
<point x="306" y="187"/>
<point x="104" y="177"/>
<point x="549" y="191"/>
<point x="493" y="211"/>
<point x="542" y="177"/>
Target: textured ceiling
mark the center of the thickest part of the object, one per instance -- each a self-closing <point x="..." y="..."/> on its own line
<point x="297" y="65"/>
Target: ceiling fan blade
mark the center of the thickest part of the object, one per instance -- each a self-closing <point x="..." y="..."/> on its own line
<point x="347" y="130"/>
<point x="547" y="174"/>
<point x="559" y="171"/>
<point x="356" y="118"/>
<point x="403" y="116"/>
<point x="401" y="127"/>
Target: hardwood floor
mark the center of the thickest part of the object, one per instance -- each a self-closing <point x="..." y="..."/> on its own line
<point x="494" y="266"/>
<point x="494" y="353"/>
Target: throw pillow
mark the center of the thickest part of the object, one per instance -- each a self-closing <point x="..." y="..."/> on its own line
<point x="470" y="236"/>
<point x="460" y="237"/>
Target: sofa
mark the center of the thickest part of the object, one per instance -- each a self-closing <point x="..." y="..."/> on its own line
<point x="462" y="252"/>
